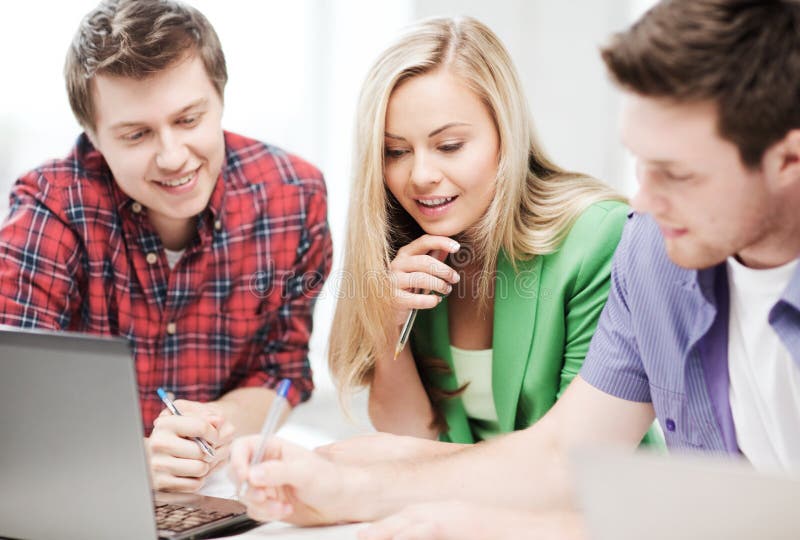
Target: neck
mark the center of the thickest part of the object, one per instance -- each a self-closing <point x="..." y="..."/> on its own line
<point x="175" y="234"/>
<point x="779" y="246"/>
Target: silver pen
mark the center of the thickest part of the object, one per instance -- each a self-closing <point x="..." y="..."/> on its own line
<point x="204" y="446"/>
<point x="269" y="427"/>
<point x="405" y="332"/>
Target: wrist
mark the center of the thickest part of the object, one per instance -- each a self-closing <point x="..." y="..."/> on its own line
<point x="359" y="495"/>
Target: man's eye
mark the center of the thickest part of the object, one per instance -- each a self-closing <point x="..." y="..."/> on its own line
<point x="669" y="175"/>
<point x="135" y="136"/>
<point x="189" y="120"/>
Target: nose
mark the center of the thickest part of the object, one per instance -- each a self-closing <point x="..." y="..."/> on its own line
<point x="648" y="199"/>
<point x="172" y="153"/>
<point x="424" y="171"/>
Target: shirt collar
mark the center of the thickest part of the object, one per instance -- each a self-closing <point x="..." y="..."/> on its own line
<point x="791" y="295"/>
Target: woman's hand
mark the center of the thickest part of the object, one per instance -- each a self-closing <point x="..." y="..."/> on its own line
<point x="417" y="267"/>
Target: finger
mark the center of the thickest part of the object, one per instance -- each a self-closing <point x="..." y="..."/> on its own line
<point x="241" y="453"/>
<point x="275" y="473"/>
<point x="208" y="411"/>
<point x="163" y="442"/>
<point x="167" y="482"/>
<point x="268" y="510"/>
<point x="424" y="282"/>
<point x="185" y="468"/>
<point x="407" y="300"/>
<point x="387" y="528"/>
<point x="188" y="427"/>
<point x="226" y="433"/>
<point x="420" y="531"/>
<point x="429" y="242"/>
<point x="425" y="264"/>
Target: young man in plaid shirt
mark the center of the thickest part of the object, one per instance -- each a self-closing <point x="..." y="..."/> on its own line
<point x="205" y="249"/>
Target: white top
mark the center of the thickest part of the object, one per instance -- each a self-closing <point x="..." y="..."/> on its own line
<point x="475" y="368"/>
<point x="764" y="380"/>
<point x="173" y="257"/>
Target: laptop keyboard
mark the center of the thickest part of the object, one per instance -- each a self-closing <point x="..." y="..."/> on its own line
<point x="175" y="518"/>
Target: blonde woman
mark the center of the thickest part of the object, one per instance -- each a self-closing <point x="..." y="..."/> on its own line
<point x="457" y="212"/>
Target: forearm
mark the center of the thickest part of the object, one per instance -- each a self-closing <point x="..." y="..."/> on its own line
<point x="523" y="470"/>
<point x="246" y="408"/>
<point x="398" y="402"/>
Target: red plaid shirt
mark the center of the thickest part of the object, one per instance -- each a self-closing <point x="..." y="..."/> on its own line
<point x="78" y="254"/>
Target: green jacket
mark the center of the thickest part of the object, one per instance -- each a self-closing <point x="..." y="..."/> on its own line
<point x="544" y="317"/>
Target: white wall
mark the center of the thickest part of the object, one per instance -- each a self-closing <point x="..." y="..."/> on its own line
<point x="296" y="67"/>
<point x="555" y="48"/>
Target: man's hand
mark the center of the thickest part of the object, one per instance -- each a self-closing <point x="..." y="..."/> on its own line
<point x="452" y="520"/>
<point x="176" y="461"/>
<point x="292" y="484"/>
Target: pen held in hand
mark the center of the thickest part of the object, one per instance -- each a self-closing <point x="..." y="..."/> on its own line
<point x="269" y="427"/>
<point x="204" y="446"/>
<point x="405" y="333"/>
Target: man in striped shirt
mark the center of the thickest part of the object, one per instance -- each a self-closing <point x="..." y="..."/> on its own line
<point x="203" y="248"/>
<point x="701" y="330"/>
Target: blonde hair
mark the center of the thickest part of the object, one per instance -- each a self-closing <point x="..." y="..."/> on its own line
<point x="534" y="205"/>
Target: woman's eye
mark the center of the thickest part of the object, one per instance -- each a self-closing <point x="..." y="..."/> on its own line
<point x="451" y="147"/>
<point x="394" y="153"/>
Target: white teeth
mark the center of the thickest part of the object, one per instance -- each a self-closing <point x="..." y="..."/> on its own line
<point x="436" y="202"/>
<point x="179" y="181"/>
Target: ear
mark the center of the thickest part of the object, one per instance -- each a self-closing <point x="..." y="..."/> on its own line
<point x="781" y="161"/>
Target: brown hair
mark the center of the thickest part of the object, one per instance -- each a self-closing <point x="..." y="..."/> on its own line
<point x="137" y="38"/>
<point x="741" y="55"/>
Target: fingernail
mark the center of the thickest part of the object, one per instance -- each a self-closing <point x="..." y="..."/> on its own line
<point x="456" y="277"/>
<point x="449" y="289"/>
<point x="454" y="246"/>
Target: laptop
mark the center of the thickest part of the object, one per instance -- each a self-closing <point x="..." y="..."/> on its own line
<point x="72" y="456"/>
<point x="627" y="496"/>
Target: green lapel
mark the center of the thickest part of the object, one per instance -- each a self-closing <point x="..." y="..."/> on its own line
<point x="516" y="300"/>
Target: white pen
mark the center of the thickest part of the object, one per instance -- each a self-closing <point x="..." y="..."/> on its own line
<point x="204" y="446"/>
<point x="269" y="427"/>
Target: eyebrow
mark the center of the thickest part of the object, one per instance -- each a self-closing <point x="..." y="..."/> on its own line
<point x="432" y="133"/>
<point x="197" y="103"/>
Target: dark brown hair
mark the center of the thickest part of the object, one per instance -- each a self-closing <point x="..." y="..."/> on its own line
<point x="741" y="55"/>
<point x="137" y="38"/>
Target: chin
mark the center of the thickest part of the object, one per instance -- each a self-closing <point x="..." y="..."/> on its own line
<point x="696" y="258"/>
<point x="443" y="231"/>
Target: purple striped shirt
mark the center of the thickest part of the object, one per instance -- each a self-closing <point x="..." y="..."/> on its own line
<point x="663" y="338"/>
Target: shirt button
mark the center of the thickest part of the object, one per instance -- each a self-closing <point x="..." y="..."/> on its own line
<point x="670" y="423"/>
<point x="136" y="207"/>
<point x="151" y="258"/>
<point x="171" y="328"/>
<point x="218" y="225"/>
